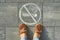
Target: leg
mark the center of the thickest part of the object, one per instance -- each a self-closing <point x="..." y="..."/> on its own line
<point x="24" y="38"/>
<point x="23" y="31"/>
<point x="37" y="31"/>
<point x="35" y="38"/>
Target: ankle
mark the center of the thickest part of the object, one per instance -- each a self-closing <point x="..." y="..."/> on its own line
<point x="36" y="35"/>
<point x="23" y="35"/>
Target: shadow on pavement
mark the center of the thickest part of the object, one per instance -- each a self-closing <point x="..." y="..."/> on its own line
<point x="44" y="34"/>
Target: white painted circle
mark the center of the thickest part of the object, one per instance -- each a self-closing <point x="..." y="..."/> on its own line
<point x="31" y="15"/>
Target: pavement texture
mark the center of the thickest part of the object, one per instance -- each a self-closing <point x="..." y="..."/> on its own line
<point x="9" y="18"/>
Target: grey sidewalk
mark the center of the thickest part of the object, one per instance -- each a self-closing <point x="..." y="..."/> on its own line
<point x="9" y="19"/>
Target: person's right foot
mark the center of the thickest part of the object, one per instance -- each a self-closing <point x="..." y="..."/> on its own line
<point x="38" y="30"/>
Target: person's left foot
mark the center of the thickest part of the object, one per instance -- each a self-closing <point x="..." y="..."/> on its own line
<point x="22" y="30"/>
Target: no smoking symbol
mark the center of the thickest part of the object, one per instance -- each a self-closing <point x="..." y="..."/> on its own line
<point x="33" y="9"/>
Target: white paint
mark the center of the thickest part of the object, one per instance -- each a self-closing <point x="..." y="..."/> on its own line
<point x="27" y="15"/>
<point x="30" y="14"/>
<point x="24" y="6"/>
<point x="35" y="15"/>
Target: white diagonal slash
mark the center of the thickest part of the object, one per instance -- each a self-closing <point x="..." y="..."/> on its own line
<point x="30" y="14"/>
